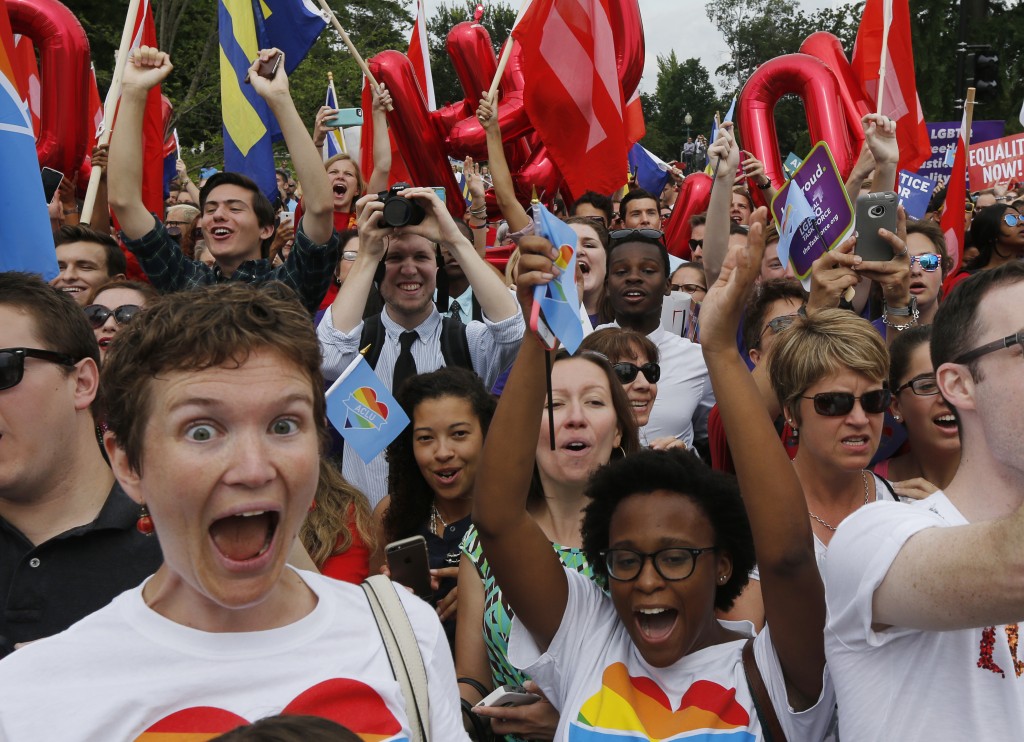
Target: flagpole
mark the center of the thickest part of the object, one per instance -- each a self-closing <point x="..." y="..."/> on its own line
<point x="886" y="23"/>
<point x="352" y="48"/>
<point x="505" y="54"/>
<point x="109" y="106"/>
<point x="969" y="113"/>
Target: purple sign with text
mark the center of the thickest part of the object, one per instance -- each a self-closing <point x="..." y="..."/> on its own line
<point x="825" y="191"/>
<point x="943" y="137"/>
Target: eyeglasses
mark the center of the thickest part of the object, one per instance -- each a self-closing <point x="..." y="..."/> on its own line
<point x="778" y="324"/>
<point x="837" y="404"/>
<point x="983" y="350"/>
<point x="621" y="235"/>
<point x="626" y="372"/>
<point x="689" y="288"/>
<point x="694" y="244"/>
<point x="923" y="385"/>
<point x="12" y="363"/>
<point x="1012" y="220"/>
<point x="929" y="261"/>
<point x="349" y="255"/>
<point x="97" y="314"/>
<point x="673" y="564"/>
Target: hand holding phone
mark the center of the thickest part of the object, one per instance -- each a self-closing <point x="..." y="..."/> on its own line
<point x="267" y="68"/>
<point x="875" y="211"/>
<point x="509" y="695"/>
<point x="407" y="561"/>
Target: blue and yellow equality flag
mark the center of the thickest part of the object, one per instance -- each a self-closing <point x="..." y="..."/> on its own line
<point x="246" y="26"/>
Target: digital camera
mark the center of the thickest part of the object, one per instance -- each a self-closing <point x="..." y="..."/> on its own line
<point x="399" y="211"/>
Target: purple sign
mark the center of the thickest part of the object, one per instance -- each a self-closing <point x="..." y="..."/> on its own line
<point x="825" y="191"/>
<point x="943" y="137"/>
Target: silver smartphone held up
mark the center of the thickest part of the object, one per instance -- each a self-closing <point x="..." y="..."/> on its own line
<point x="875" y="211"/>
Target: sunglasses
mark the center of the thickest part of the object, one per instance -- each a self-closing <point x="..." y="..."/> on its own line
<point x="97" y="314"/>
<point x="620" y="235"/>
<point x="837" y="404"/>
<point x="626" y="372"/>
<point x="1012" y="220"/>
<point x="929" y="261"/>
<point x="778" y="324"/>
<point x="694" y="244"/>
<point x="923" y="385"/>
<point x="12" y="363"/>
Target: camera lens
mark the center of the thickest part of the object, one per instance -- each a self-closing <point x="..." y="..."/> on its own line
<point x="876" y="211"/>
<point x="397" y="212"/>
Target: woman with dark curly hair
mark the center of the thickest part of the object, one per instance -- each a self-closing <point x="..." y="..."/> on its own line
<point x="673" y="541"/>
<point x="432" y="466"/>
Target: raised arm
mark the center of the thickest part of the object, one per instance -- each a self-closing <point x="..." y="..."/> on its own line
<point x="794" y="599"/>
<point x="525" y="566"/>
<point x="880" y="138"/>
<point x="477" y="206"/>
<point x="146" y="68"/>
<point x="317" y="198"/>
<point x="381" y="142"/>
<point x="504" y="189"/>
<point x="725" y="157"/>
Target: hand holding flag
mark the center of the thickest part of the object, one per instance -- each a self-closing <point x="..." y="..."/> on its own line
<point x="557" y="298"/>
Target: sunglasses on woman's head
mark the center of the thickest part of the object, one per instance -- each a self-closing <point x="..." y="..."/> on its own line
<point x="97" y="314"/>
<point x="12" y="363"/>
<point x="837" y="404"/>
<point x="626" y="372"/>
<point x="622" y="235"/>
<point x="929" y="261"/>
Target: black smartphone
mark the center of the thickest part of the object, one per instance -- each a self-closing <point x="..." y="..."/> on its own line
<point x="875" y="211"/>
<point x="51" y="182"/>
<point x="407" y="560"/>
<point x="268" y="68"/>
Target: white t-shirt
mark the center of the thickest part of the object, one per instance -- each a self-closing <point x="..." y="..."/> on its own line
<point x="126" y="672"/>
<point x="594" y="674"/>
<point x="905" y="684"/>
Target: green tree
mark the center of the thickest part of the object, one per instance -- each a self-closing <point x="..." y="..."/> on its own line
<point x="497" y="19"/>
<point x="682" y="88"/>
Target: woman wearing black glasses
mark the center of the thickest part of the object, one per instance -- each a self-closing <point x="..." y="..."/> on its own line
<point x="114" y="305"/>
<point x="829" y="372"/>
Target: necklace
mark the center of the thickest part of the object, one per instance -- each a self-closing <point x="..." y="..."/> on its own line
<point x="864" y="479"/>
<point x="434" y="518"/>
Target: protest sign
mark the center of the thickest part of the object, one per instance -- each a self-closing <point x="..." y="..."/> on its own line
<point x="997" y="161"/>
<point x="943" y="137"/>
<point x="823" y="188"/>
<point x="915" y="191"/>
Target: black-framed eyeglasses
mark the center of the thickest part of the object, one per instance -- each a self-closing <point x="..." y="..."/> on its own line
<point x="837" y="404"/>
<point x="689" y="288"/>
<point x="928" y="261"/>
<point x="12" y="363"/>
<point x="97" y="314"/>
<point x="673" y="564"/>
<point x="923" y="386"/>
<point x="626" y="372"/>
<point x="694" y="244"/>
<point x="778" y="324"/>
<point x="1012" y="220"/>
<point x="623" y="235"/>
<point x="983" y="350"/>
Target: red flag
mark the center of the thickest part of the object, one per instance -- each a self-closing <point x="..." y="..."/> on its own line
<point x="952" y="222"/>
<point x="636" y="129"/>
<point x="399" y="172"/>
<point x="419" y="55"/>
<point x="900" y="101"/>
<point x="572" y="90"/>
<point x="95" y="108"/>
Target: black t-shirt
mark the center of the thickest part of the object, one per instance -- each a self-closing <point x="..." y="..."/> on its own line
<point x="48" y="587"/>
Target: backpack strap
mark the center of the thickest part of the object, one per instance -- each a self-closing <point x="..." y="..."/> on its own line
<point x="455" y="344"/>
<point x="372" y="335"/>
<point x="403" y="652"/>
<point x="771" y="729"/>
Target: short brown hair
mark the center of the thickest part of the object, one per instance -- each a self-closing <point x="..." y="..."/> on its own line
<point x="149" y="293"/>
<point x="59" y="322"/>
<point x="117" y="263"/>
<point x="820" y="344"/>
<point x="615" y="343"/>
<point x="200" y="329"/>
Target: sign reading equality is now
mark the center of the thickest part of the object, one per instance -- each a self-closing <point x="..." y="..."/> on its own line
<point x="997" y="161"/>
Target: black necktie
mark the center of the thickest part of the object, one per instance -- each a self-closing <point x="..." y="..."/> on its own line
<point x="456" y="312"/>
<point x="405" y="366"/>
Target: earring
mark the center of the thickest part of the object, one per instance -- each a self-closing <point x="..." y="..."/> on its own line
<point x="722" y="579"/>
<point x="794" y="428"/>
<point x="897" y="418"/>
<point x="144" y="524"/>
<point x="622" y="451"/>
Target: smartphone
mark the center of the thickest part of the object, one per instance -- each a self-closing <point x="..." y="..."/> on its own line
<point x="875" y="211"/>
<point x="268" y="68"/>
<point x="440" y="193"/>
<point x="407" y="560"/>
<point x="509" y="695"/>
<point x="346" y="117"/>
<point x="51" y="182"/>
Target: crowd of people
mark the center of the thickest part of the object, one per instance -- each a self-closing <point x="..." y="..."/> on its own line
<point x="798" y="521"/>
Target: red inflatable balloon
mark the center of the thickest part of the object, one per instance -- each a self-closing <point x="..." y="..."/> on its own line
<point x="64" y="79"/>
<point x="829" y="50"/>
<point x="817" y="86"/>
<point x="694" y="197"/>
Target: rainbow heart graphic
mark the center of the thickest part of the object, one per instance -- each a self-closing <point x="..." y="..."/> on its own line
<point x="365" y="411"/>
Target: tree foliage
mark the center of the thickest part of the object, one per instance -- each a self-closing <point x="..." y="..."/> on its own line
<point x="683" y="88"/>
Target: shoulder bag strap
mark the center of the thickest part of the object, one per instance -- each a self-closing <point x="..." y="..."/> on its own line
<point x="403" y="652"/>
<point x="771" y="729"/>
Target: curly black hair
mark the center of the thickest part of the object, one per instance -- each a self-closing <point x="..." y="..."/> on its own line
<point x="411" y="496"/>
<point x="717" y="494"/>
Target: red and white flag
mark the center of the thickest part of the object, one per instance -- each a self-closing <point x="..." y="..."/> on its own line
<point x="95" y="108"/>
<point x="28" y="76"/>
<point x="572" y="90"/>
<point x="419" y="55"/>
<point x="899" y="96"/>
<point x="636" y="128"/>
<point x="952" y="221"/>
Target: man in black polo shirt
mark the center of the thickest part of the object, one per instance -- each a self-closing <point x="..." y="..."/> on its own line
<point x="68" y="538"/>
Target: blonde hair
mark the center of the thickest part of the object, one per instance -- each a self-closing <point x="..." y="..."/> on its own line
<point x="826" y="342"/>
<point x="325" y="532"/>
<point x="359" y="173"/>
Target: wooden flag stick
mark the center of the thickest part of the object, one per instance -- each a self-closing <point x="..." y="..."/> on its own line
<point x="109" y="106"/>
<point x="886" y="23"/>
<point x="351" y="48"/>
<point x="969" y="111"/>
<point x="505" y="54"/>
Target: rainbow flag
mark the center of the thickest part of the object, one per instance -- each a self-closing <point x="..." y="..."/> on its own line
<point x="26" y="242"/>
<point x="363" y="410"/>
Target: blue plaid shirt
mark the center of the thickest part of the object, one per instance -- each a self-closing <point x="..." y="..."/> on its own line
<point x="308" y="269"/>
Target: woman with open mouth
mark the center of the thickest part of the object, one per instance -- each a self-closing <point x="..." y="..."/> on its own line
<point x="648" y="658"/>
<point x="433" y="466"/>
<point x="592" y="257"/>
